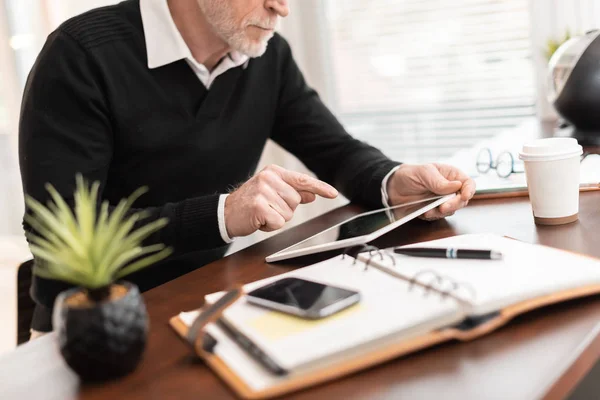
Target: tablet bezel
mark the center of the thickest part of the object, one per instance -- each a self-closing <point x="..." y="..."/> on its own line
<point x="285" y="254"/>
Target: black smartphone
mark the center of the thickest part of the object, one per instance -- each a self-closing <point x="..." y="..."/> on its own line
<point x="303" y="298"/>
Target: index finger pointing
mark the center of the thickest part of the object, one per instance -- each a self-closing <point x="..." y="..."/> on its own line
<point x="305" y="183"/>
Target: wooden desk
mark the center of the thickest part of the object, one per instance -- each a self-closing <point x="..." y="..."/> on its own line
<point x="545" y="353"/>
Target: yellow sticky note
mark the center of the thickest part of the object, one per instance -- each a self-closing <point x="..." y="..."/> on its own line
<point x="274" y="325"/>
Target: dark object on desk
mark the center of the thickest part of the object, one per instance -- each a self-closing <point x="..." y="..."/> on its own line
<point x="105" y="341"/>
<point x="102" y="323"/>
<point x="574" y="86"/>
<point x="303" y="298"/>
<point x="449" y="253"/>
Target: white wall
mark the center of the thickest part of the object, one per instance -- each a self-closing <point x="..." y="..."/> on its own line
<point x="60" y="10"/>
<point x="11" y="199"/>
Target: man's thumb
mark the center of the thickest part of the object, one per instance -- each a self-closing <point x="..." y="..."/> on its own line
<point x="444" y="186"/>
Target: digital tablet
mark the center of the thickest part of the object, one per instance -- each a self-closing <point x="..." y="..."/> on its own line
<point x="360" y="229"/>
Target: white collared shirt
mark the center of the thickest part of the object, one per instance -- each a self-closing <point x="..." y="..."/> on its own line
<point x="164" y="45"/>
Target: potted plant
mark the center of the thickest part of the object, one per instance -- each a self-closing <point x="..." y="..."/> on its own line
<point x="552" y="44"/>
<point x="101" y="323"/>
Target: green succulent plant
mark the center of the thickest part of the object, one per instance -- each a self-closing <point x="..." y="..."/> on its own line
<point x="552" y="45"/>
<point x="88" y="248"/>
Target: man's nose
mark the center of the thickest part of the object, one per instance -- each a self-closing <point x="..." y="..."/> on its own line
<point x="280" y="7"/>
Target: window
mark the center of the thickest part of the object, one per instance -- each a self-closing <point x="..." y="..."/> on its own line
<point x="421" y="79"/>
<point x="24" y="25"/>
<point x="6" y="69"/>
<point x="3" y="117"/>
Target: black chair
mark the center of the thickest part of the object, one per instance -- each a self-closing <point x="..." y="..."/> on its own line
<point x="25" y="304"/>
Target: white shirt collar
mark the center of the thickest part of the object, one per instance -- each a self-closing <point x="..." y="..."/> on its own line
<point x="164" y="43"/>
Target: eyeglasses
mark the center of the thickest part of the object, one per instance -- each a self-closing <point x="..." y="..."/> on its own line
<point x="504" y="164"/>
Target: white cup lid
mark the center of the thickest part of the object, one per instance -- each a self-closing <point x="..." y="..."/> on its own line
<point x="550" y="149"/>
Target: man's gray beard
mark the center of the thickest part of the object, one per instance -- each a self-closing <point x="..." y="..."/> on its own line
<point x="223" y="24"/>
<point x="241" y="43"/>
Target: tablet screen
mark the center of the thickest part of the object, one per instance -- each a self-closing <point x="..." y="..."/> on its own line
<point x="363" y="224"/>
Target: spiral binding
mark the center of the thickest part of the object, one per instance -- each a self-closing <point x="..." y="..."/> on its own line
<point x="437" y="283"/>
<point x="373" y="251"/>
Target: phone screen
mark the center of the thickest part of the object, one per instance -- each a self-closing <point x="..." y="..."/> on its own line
<point x="307" y="297"/>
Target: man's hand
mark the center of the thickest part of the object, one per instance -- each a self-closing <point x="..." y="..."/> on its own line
<point x="268" y="200"/>
<point x="414" y="182"/>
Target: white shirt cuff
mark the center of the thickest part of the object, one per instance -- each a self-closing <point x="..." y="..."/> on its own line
<point x="384" y="194"/>
<point x="221" y="218"/>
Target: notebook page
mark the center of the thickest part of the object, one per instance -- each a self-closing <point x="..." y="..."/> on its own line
<point x="387" y="308"/>
<point x="525" y="272"/>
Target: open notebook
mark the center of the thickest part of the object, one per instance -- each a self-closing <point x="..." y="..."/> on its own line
<point x="406" y="304"/>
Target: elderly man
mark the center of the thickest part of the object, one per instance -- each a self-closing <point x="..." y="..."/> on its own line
<point x="181" y="96"/>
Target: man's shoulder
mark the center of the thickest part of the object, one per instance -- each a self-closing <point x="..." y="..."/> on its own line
<point x="278" y="44"/>
<point x="278" y="50"/>
<point x="102" y="25"/>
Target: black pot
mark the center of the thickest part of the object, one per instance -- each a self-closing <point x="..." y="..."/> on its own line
<point x="105" y="341"/>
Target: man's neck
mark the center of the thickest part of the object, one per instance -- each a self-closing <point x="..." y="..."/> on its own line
<point x="206" y="47"/>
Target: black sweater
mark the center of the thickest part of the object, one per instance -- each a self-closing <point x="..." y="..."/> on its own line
<point x="91" y="105"/>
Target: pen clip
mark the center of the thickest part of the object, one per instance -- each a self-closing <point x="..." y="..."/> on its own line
<point x="197" y="337"/>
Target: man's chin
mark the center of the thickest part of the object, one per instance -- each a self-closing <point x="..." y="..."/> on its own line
<point x="254" y="48"/>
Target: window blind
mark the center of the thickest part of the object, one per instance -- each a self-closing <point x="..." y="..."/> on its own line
<point x="421" y="79"/>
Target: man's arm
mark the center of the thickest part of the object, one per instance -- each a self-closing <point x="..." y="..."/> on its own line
<point x="305" y="127"/>
<point x="66" y="128"/>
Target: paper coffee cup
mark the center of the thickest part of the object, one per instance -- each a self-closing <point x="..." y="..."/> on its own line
<point x="552" y="172"/>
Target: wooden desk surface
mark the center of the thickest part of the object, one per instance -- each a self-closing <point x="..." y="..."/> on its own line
<point x="544" y="353"/>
